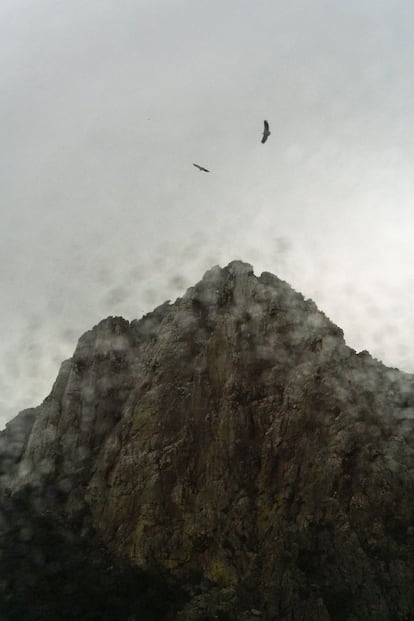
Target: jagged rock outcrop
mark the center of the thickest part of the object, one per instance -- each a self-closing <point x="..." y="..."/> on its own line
<point x="12" y="445"/>
<point x="233" y="440"/>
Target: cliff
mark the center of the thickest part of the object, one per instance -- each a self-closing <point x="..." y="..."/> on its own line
<point x="235" y="445"/>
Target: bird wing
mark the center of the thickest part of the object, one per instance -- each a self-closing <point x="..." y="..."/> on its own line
<point x="266" y="126"/>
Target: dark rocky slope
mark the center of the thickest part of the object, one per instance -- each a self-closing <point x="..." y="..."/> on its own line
<point x="233" y="442"/>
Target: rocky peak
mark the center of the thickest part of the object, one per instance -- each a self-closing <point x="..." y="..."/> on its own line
<point x="233" y="436"/>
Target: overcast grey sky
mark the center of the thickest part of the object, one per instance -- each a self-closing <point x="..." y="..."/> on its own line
<point x="105" y="105"/>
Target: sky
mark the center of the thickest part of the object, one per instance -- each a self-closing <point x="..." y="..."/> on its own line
<point x="106" y="104"/>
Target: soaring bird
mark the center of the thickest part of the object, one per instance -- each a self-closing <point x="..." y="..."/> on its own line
<point x="201" y="168"/>
<point x="266" y="132"/>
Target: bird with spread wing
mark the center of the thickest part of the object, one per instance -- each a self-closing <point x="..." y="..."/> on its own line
<point x="266" y="132"/>
<point x="201" y="168"/>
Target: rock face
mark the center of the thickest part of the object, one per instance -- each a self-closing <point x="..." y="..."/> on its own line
<point x="233" y="440"/>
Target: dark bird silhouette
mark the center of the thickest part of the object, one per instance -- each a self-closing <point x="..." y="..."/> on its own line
<point x="266" y="132"/>
<point x="201" y="168"/>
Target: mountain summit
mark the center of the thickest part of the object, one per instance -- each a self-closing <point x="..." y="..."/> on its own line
<point x="230" y="442"/>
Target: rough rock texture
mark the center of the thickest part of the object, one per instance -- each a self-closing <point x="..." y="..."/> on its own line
<point x="13" y="443"/>
<point x="234" y="441"/>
